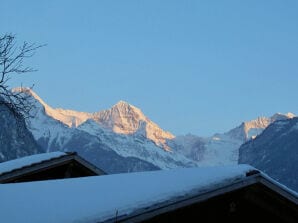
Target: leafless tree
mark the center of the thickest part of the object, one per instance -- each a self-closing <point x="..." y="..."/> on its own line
<point x="12" y="58"/>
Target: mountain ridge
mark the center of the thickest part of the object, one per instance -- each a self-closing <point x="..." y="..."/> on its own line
<point x="122" y="118"/>
<point x="129" y="132"/>
<point x="123" y="139"/>
<point x="53" y="134"/>
<point x="275" y="152"/>
<point x="125" y="118"/>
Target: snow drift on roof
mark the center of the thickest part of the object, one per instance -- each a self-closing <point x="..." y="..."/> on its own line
<point x="27" y="161"/>
<point x="93" y="199"/>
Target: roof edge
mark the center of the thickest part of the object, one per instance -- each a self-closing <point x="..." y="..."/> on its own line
<point x="200" y="196"/>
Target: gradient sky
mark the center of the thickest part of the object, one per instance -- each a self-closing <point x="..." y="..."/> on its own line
<point x="192" y="66"/>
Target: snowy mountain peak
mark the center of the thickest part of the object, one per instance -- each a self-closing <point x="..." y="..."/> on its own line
<point x="30" y="92"/>
<point x="21" y="89"/>
<point x="290" y="115"/>
<point x="280" y="116"/>
<point x="122" y="104"/>
<point x="126" y="110"/>
<point x="68" y="117"/>
<point x="250" y="129"/>
<point x="121" y="118"/>
<point x="127" y="119"/>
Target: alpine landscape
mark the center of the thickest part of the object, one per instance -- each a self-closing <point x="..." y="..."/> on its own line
<point x="122" y="139"/>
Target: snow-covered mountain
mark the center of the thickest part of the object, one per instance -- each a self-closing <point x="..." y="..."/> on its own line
<point x="137" y="145"/>
<point x="122" y="138"/>
<point x="250" y="129"/>
<point x="53" y="135"/>
<point x="122" y="118"/>
<point x="68" y="117"/>
<point x="122" y="131"/>
<point x="127" y="119"/>
<point x="223" y="149"/>
<point x="275" y="152"/>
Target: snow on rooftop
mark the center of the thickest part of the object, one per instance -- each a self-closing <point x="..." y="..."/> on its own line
<point x="94" y="199"/>
<point x="27" y="161"/>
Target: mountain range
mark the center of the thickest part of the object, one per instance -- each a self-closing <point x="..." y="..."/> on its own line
<point x="123" y="139"/>
<point x="123" y="131"/>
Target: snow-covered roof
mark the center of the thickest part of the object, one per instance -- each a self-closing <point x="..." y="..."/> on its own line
<point x="28" y="161"/>
<point x="94" y="199"/>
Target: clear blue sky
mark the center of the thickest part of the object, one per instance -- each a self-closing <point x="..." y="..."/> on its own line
<point x="192" y="66"/>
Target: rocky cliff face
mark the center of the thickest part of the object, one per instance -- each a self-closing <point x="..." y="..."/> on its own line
<point x="275" y="152"/>
<point x="15" y="139"/>
<point x="127" y="119"/>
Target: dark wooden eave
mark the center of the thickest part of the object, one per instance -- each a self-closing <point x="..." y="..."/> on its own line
<point x="45" y="165"/>
<point x="259" y="191"/>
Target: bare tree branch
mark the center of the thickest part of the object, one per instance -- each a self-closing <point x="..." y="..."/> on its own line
<point x="11" y="63"/>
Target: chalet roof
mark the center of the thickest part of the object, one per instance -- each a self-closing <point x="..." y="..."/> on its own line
<point x="26" y="161"/>
<point x="96" y="199"/>
<point x="24" y="165"/>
